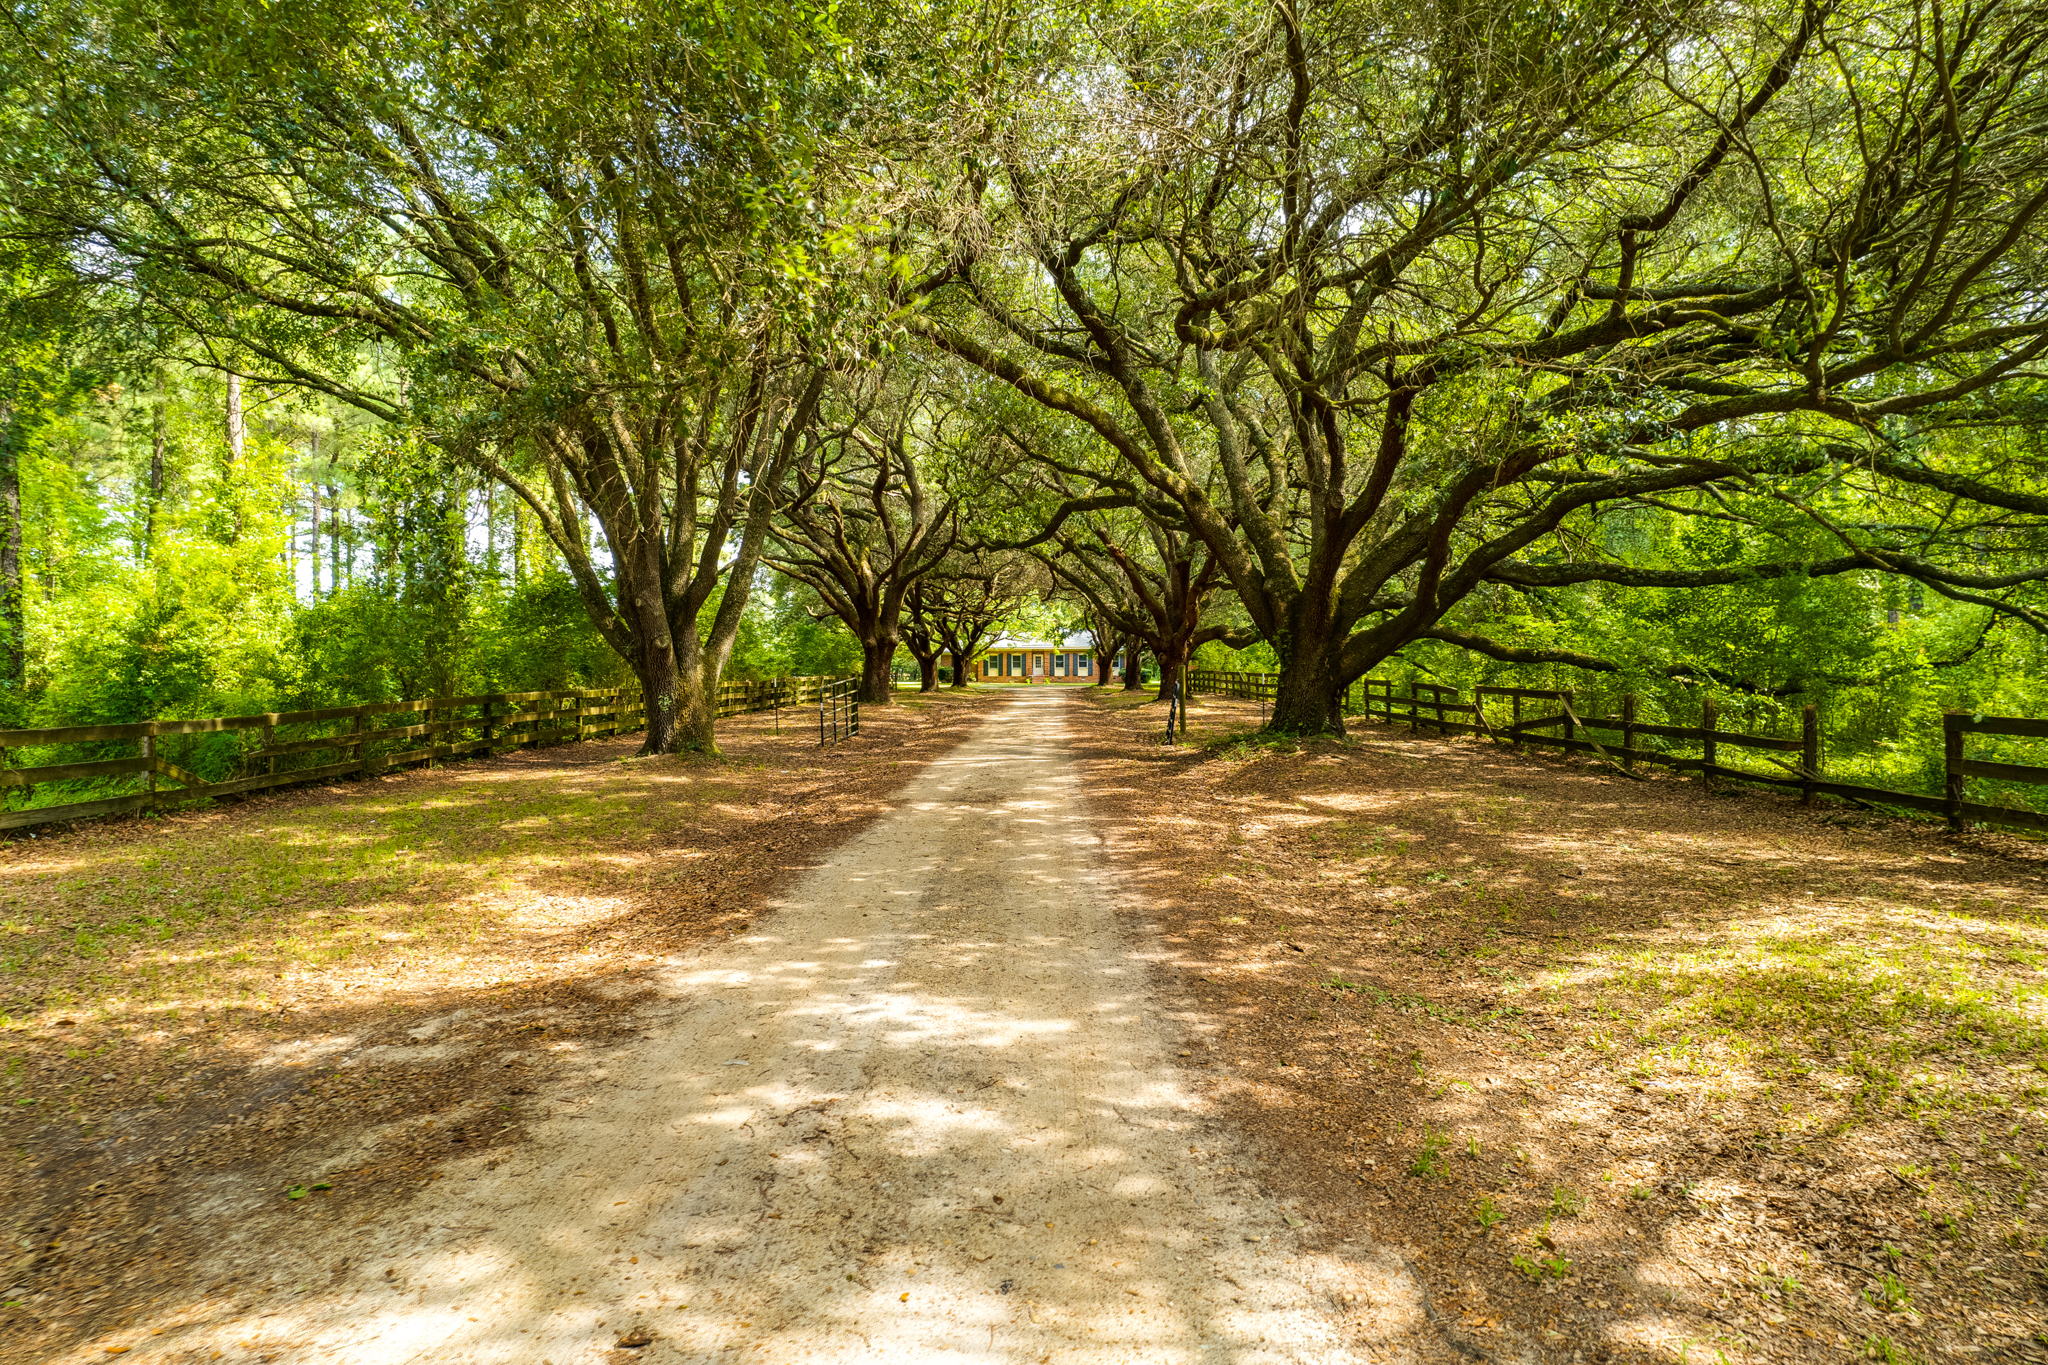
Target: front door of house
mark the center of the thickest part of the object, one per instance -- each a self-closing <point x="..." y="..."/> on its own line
<point x="1038" y="665"/>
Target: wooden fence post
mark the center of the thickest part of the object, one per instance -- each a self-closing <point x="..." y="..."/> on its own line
<point x="1952" y="767"/>
<point x="149" y="773"/>
<point x="1515" y="733"/>
<point x="1571" y="718"/>
<point x="1628" y="731"/>
<point x="362" y="746"/>
<point x="1809" y="752"/>
<point x="270" y="742"/>
<point x="1710" y="750"/>
<point x="490" y="727"/>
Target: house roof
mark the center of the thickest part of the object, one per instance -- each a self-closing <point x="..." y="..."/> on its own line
<point x="1018" y="642"/>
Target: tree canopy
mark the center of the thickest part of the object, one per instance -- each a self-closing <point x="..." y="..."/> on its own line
<point x="1582" y="337"/>
<point x="1390" y="306"/>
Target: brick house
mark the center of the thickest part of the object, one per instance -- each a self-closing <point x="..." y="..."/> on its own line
<point x="1071" y="660"/>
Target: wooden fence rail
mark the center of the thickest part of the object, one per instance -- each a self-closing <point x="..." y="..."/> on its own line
<point x="1434" y="706"/>
<point x="337" y="741"/>
<point x="768" y="694"/>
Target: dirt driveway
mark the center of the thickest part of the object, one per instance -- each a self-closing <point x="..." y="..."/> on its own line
<point x="229" y="1035"/>
<point x="926" y="1109"/>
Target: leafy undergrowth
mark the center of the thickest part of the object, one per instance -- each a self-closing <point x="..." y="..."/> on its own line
<point x="1629" y="1071"/>
<point x="250" y="1025"/>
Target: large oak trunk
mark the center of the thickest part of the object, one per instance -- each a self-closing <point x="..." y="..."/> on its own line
<point x="696" y="719"/>
<point x="1304" y="703"/>
<point x="1173" y="667"/>
<point x="959" y="669"/>
<point x="1308" y="698"/>
<point x="670" y="712"/>
<point x="1134" y="668"/>
<point x="876" y="659"/>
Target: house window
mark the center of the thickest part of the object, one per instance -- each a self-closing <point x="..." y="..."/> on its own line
<point x="1016" y="665"/>
<point x="1059" y="665"/>
<point x="1084" y="664"/>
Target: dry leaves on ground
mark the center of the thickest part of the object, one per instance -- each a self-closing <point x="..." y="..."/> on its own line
<point x="1629" y="1071"/>
<point x="258" y="1024"/>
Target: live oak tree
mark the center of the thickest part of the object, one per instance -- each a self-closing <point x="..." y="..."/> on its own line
<point x="959" y="604"/>
<point x="1108" y="643"/>
<point x="859" y="526"/>
<point x="1388" y="305"/>
<point x="1150" y="584"/>
<point x="921" y="637"/>
<point x="590" y="254"/>
<point x="1103" y="640"/>
<point x="1142" y="582"/>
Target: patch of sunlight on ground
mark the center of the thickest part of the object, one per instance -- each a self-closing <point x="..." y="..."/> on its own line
<point x="177" y="914"/>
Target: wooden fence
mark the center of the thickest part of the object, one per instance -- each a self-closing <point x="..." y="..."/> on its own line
<point x="1559" y="725"/>
<point x="772" y="694"/>
<point x="295" y="747"/>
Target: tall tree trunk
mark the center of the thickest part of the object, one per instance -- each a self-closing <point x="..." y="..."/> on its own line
<point x="491" y="556"/>
<point x="333" y="540"/>
<point x="1134" y="667"/>
<point x="153" y="496"/>
<point x="313" y="537"/>
<point x="668" y="703"/>
<point x="960" y="663"/>
<point x="1105" y="664"/>
<point x="1308" y="696"/>
<point x="877" y="655"/>
<point x="1173" y="664"/>
<point x="518" y="543"/>
<point x="13" y="652"/>
<point x="678" y="676"/>
<point x="238" y="435"/>
<point x="928" y="672"/>
<point x="694" y="715"/>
